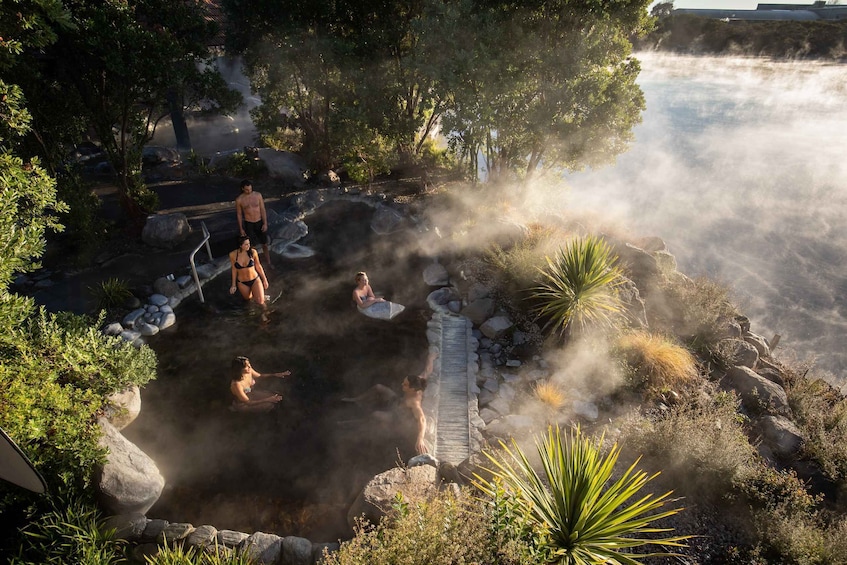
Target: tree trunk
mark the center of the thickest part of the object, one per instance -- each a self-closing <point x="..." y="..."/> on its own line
<point x="183" y="140"/>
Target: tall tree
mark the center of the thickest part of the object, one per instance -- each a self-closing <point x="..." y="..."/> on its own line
<point x="123" y="64"/>
<point x="337" y="74"/>
<point x="549" y="85"/>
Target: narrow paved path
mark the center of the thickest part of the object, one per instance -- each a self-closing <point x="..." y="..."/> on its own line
<point x="452" y="437"/>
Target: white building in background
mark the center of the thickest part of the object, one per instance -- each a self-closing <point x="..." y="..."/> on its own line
<point x="818" y="11"/>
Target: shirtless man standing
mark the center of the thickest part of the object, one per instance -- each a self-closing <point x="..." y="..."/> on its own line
<point x="252" y="218"/>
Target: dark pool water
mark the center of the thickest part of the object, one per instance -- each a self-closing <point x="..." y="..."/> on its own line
<point x="295" y="470"/>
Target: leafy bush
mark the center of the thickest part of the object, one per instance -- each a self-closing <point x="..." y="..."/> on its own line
<point x="579" y="286"/>
<point x="581" y="513"/>
<point x="59" y="370"/>
<point x="242" y="165"/>
<point x="69" y="533"/>
<point x="655" y="362"/>
<point x="446" y="529"/>
<point x="111" y="293"/>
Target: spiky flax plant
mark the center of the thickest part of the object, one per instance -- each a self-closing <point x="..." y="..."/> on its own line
<point x="582" y="514"/>
<point x="579" y="286"/>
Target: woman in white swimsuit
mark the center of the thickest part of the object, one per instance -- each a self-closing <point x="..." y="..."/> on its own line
<point x="363" y="294"/>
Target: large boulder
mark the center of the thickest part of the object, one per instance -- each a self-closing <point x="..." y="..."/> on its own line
<point x="781" y="435"/>
<point x="760" y="343"/>
<point x="757" y="392"/>
<point x="386" y="220"/>
<point x="122" y="408"/>
<point x="378" y="496"/>
<point x="287" y="233"/>
<point x="436" y="274"/>
<point x="284" y="165"/>
<point x="496" y="327"/>
<point x="263" y="548"/>
<point x="739" y="352"/>
<point x="165" y="286"/>
<point x="129" y="482"/>
<point x="479" y="310"/>
<point x="165" y="230"/>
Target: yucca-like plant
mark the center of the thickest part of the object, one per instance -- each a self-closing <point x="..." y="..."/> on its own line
<point x="583" y="516"/>
<point x="579" y="286"/>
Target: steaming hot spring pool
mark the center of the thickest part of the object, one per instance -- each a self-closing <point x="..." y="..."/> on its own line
<point x="296" y="469"/>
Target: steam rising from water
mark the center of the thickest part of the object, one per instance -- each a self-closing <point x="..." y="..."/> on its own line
<point x="739" y="166"/>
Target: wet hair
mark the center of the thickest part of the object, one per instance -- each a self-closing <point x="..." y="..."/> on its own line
<point x="238" y="365"/>
<point x="246" y="182"/>
<point x="416" y="382"/>
<point x="359" y="275"/>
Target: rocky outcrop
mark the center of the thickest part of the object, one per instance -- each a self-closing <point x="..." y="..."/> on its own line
<point x="129" y="482"/>
<point x="264" y="548"/>
<point x="379" y="495"/>
<point x="757" y="393"/>
<point x="165" y="230"/>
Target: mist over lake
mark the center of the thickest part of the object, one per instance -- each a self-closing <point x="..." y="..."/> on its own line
<point x="740" y="165"/>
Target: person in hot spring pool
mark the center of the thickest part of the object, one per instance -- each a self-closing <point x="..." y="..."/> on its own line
<point x="363" y="294"/>
<point x="247" y="398"/>
<point x="248" y="276"/>
<point x="403" y="414"/>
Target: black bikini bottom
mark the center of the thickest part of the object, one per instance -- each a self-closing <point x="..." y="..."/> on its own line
<point x="249" y="284"/>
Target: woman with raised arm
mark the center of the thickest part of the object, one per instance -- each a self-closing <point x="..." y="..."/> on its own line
<point x="242" y="387"/>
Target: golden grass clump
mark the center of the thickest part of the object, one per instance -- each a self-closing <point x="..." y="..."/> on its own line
<point x="550" y="394"/>
<point x="657" y="362"/>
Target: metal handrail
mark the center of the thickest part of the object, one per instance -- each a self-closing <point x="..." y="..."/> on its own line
<point x="205" y="241"/>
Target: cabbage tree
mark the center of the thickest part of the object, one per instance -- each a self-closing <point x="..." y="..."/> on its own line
<point x="583" y="511"/>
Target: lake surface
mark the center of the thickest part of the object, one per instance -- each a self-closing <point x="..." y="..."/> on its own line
<point x="740" y="165"/>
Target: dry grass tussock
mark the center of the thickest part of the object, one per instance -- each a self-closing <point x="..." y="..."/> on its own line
<point x="656" y="363"/>
<point x="550" y="394"/>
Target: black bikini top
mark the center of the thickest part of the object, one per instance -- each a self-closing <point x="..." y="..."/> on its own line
<point x="247" y="266"/>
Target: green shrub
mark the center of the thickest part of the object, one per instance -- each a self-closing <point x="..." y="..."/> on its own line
<point x="701" y="448"/>
<point x="68" y="533"/>
<point x="111" y="293"/>
<point x="445" y="529"/>
<point x="821" y="413"/>
<point x="519" y="265"/>
<point x="242" y="165"/>
<point x="579" y="286"/>
<point x="58" y="370"/>
<point x="699" y="309"/>
<point x="581" y="513"/>
<point x="656" y="363"/>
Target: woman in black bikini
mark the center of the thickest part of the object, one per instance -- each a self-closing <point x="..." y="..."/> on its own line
<point x="247" y="273"/>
